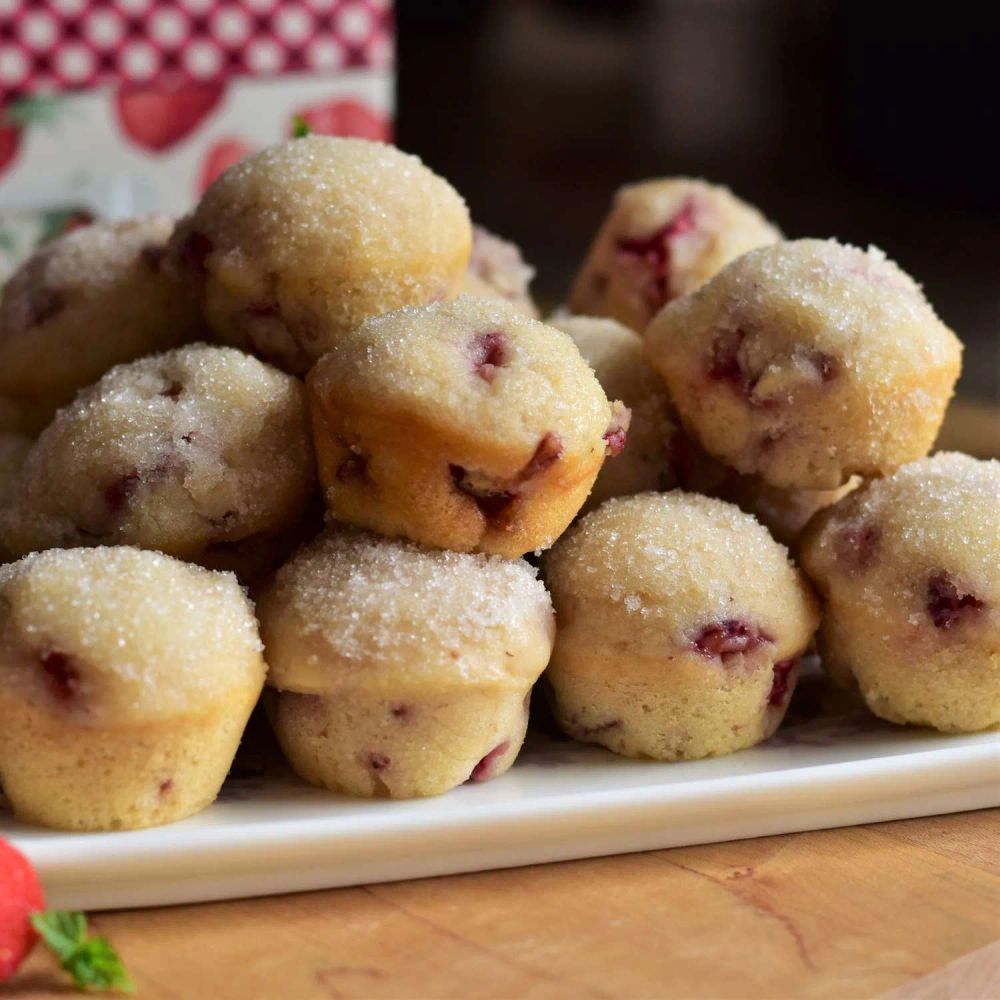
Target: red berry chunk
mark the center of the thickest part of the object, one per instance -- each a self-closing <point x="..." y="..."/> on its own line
<point x="492" y="504"/>
<point x="45" y="305"/>
<point x="655" y="252"/>
<point x="782" y="674"/>
<point x="354" y="468"/>
<point x="617" y="433"/>
<point x="152" y="255"/>
<point x="857" y="545"/>
<point x="61" y="675"/>
<point x="194" y="252"/>
<point x="827" y="366"/>
<point x="494" y="500"/>
<point x="614" y="440"/>
<point x="487" y="767"/>
<point x="725" y="364"/>
<point x="548" y="452"/>
<point x="583" y="732"/>
<point x="729" y="638"/>
<point x="118" y="493"/>
<point x="947" y="605"/>
<point x="489" y="353"/>
<point x="378" y="761"/>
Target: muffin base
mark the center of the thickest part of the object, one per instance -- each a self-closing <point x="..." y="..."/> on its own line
<point x="667" y="711"/>
<point x="371" y="746"/>
<point x="58" y="773"/>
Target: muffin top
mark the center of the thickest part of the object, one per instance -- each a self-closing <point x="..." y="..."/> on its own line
<point x="327" y="203"/>
<point x="121" y="636"/>
<point x="356" y="607"/>
<point x="474" y="365"/>
<point x="911" y="539"/>
<point x="670" y="570"/>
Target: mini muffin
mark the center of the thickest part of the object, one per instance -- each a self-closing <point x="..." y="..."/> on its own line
<point x="462" y="425"/>
<point x="663" y="239"/>
<point x="85" y="302"/>
<point x="806" y="363"/>
<point x="181" y="452"/>
<point x="680" y="627"/>
<point x="908" y="566"/>
<point x="615" y="354"/>
<point x="400" y="671"/>
<point x="126" y="680"/>
<point x="496" y="268"/>
<point x="784" y="512"/>
<point x="300" y="243"/>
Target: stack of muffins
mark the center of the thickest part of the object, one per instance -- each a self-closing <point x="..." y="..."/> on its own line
<point x="313" y="444"/>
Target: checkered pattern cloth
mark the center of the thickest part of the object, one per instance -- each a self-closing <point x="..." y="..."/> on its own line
<point x="59" y="45"/>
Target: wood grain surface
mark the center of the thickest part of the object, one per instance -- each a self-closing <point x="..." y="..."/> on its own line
<point x="848" y="913"/>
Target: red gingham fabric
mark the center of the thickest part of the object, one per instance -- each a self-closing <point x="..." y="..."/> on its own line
<point x="58" y="45"/>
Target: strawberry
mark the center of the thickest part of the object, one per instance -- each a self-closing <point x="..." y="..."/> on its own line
<point x="344" y="117"/>
<point x="219" y="158"/>
<point x="20" y="896"/>
<point x="10" y="142"/>
<point x="89" y="961"/>
<point x="16" y="117"/>
<point x="157" y="118"/>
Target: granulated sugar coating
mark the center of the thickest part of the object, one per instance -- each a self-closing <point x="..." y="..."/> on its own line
<point x="126" y="679"/>
<point x="662" y="239"/>
<point x="402" y="671"/>
<point x="496" y="268"/>
<point x="909" y="568"/>
<point x="300" y="243"/>
<point x="354" y="608"/>
<point x="614" y="352"/>
<point x="680" y="625"/>
<point x="82" y="303"/>
<point x="808" y="362"/>
<point x="199" y="447"/>
<point x="463" y="425"/>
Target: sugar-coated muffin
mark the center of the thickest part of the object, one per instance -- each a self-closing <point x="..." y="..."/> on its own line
<point x="496" y="268"/>
<point x="808" y="362"/>
<point x="784" y="512"/>
<point x="462" y="425"/>
<point x="909" y="567"/>
<point x="126" y="680"/>
<point x="299" y="243"/>
<point x="615" y="354"/>
<point x="663" y="239"/>
<point x="680" y="627"/>
<point x="399" y="671"/>
<point x="84" y="302"/>
<point x="197" y="448"/>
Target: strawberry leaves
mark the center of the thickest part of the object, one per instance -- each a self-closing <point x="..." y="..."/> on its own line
<point x="90" y="961"/>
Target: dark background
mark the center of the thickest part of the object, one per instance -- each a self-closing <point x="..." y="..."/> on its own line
<point x="872" y="122"/>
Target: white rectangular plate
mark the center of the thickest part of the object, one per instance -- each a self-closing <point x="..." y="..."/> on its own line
<point x="270" y="834"/>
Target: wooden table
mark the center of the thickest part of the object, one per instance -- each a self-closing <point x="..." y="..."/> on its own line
<point x="843" y="913"/>
<point x="911" y="908"/>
